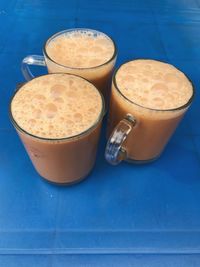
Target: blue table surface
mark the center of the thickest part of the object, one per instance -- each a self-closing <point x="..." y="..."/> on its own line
<point x="120" y="216"/>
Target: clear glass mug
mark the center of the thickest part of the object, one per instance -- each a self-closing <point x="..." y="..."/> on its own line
<point x="62" y="161"/>
<point x="138" y="134"/>
<point x="100" y="75"/>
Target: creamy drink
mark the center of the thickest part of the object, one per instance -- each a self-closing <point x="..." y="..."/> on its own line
<point x="80" y="49"/>
<point x="87" y="53"/>
<point x="150" y="97"/>
<point x="58" y="118"/>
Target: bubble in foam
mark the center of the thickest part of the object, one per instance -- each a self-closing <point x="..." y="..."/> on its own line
<point x="78" y="116"/>
<point x="21" y="102"/>
<point x="159" y="87"/>
<point x="45" y="82"/>
<point x="78" y="62"/>
<point x="51" y="127"/>
<point x="129" y="78"/>
<point x="132" y="69"/>
<point x="71" y="82"/>
<point x="39" y="97"/>
<point x="27" y="96"/>
<point x="61" y="119"/>
<point x="95" y="62"/>
<point x="69" y="122"/>
<point x="84" y="50"/>
<point x="146" y="73"/>
<point x="71" y="93"/>
<point x="32" y="122"/>
<point x="50" y="110"/>
<point x="169" y="98"/>
<point x="37" y="113"/>
<point x="147" y="67"/>
<point x="59" y="100"/>
<point x="91" y="110"/>
<point x="96" y="49"/>
<point x="158" y="102"/>
<point x="57" y="90"/>
<point x="144" y="99"/>
<point x="157" y="77"/>
<point x="169" y="77"/>
<point x="175" y="95"/>
<point x="89" y="120"/>
<point x="69" y="132"/>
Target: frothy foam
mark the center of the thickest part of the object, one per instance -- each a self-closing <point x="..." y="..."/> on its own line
<point x="154" y="84"/>
<point x="56" y="106"/>
<point x="81" y="49"/>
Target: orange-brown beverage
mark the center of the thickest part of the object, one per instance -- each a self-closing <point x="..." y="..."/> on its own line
<point x="148" y="100"/>
<point x="58" y="118"/>
<point x="88" y="53"/>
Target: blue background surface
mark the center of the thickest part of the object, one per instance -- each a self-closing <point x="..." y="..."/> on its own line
<point x="120" y="216"/>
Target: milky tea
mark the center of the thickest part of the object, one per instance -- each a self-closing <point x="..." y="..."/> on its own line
<point x="58" y="118"/>
<point x="87" y="53"/>
<point x="148" y="100"/>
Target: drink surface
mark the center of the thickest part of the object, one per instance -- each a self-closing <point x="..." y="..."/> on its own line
<point x="56" y="106"/>
<point x="81" y="49"/>
<point x="153" y="84"/>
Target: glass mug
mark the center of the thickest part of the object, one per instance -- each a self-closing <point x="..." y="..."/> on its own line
<point x="138" y="134"/>
<point x="100" y="75"/>
<point x="60" y="160"/>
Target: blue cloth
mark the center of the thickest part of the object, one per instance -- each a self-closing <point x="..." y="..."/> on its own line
<point x="137" y="215"/>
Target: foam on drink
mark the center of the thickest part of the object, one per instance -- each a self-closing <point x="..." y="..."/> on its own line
<point x="157" y="95"/>
<point x="56" y="106"/>
<point x="81" y="49"/>
<point x="153" y="84"/>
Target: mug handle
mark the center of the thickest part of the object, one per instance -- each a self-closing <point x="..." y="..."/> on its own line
<point x="115" y="152"/>
<point x="31" y="60"/>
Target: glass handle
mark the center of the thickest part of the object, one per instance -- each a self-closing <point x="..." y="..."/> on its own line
<point x="115" y="152"/>
<point x="31" y="60"/>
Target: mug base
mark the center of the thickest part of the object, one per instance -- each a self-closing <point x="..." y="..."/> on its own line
<point x="138" y="162"/>
<point x="64" y="184"/>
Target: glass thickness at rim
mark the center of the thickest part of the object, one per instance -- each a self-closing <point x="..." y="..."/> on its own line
<point x="153" y="109"/>
<point x="76" y="30"/>
<point x="100" y="117"/>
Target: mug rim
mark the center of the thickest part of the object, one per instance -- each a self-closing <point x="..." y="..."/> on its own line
<point x="153" y="109"/>
<point x="74" y="30"/>
<point x="83" y="133"/>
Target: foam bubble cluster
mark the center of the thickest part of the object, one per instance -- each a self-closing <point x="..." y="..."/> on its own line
<point x="81" y="49"/>
<point x="56" y="106"/>
<point x="154" y="84"/>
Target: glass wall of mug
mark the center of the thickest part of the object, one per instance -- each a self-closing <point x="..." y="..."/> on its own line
<point x="58" y="127"/>
<point x="138" y="133"/>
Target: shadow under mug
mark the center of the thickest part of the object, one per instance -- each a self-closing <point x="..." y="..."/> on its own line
<point x="100" y="75"/>
<point x="138" y="134"/>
